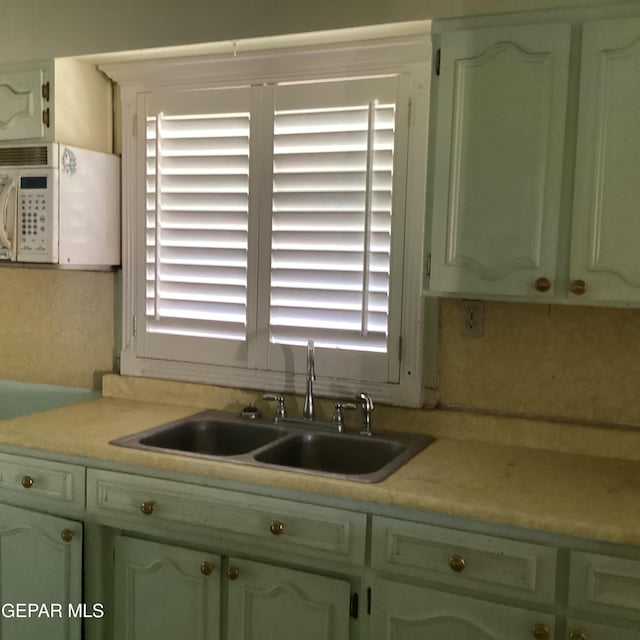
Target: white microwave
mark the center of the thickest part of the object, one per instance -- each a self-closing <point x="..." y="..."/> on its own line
<point x="59" y="205"/>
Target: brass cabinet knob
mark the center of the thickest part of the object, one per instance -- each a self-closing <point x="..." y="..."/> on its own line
<point x="206" y="568"/>
<point x="456" y="562"/>
<point x="67" y="535"/>
<point x="27" y="482"/>
<point x="577" y="635"/>
<point x="578" y="287"/>
<point x="541" y="631"/>
<point x="233" y="573"/>
<point x="542" y="284"/>
<point x="276" y="527"/>
<point x="147" y="507"/>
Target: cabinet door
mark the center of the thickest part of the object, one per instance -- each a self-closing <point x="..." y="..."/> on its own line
<point x="606" y="219"/>
<point x="23" y="110"/>
<point x="581" y="630"/>
<point x="272" y="603"/>
<point x="405" y="612"/>
<point x="40" y="564"/>
<point x="163" y="591"/>
<point x="500" y="118"/>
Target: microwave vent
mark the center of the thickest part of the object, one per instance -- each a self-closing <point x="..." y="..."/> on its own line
<point x="23" y="156"/>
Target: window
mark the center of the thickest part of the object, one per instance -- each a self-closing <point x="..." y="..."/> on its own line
<point x="274" y="199"/>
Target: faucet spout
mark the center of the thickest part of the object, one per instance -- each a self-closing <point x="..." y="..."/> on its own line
<point x="309" y="410"/>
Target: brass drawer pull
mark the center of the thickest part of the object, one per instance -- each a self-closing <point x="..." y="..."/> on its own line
<point x="277" y="528"/>
<point x="578" y="287"/>
<point x="542" y="285"/>
<point x="577" y="635"/>
<point x="456" y="562"/>
<point x="233" y="573"/>
<point x="541" y="631"/>
<point x="67" y="535"/>
<point x="206" y="568"/>
<point x="27" y="482"/>
<point x="147" y="507"/>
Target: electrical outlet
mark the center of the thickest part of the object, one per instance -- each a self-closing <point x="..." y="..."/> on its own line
<point x="473" y="318"/>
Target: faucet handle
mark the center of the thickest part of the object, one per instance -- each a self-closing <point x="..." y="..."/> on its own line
<point x="337" y="418"/>
<point x="281" y="409"/>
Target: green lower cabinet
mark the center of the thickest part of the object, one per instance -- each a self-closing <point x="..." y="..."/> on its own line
<point x="273" y="603"/>
<point x="582" y="630"/>
<point x="41" y="566"/>
<point x="405" y="612"/>
<point x="165" y="592"/>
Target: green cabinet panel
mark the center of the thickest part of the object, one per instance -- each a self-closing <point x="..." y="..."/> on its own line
<point x="322" y="533"/>
<point x="605" y="584"/>
<point x="40" y="563"/>
<point x="501" y="109"/>
<point x="406" y="612"/>
<point x="606" y="217"/>
<point x="464" y="560"/>
<point x="273" y="603"/>
<point x="163" y="591"/>
<point x="42" y="483"/>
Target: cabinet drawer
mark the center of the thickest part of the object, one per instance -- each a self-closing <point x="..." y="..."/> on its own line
<point x="497" y="565"/>
<point x="31" y="481"/>
<point x="234" y="517"/>
<point x="604" y="583"/>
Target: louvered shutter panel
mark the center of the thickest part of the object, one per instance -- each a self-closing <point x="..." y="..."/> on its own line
<point x="196" y="225"/>
<point x="332" y="214"/>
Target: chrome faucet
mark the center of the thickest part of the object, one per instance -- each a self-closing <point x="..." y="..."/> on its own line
<point x="367" y="408"/>
<point x="308" y="412"/>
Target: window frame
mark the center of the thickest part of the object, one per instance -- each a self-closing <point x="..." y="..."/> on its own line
<point x="408" y="55"/>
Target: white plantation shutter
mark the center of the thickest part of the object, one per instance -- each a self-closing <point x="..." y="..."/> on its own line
<point x="333" y="203"/>
<point x="304" y="175"/>
<point x="196" y="227"/>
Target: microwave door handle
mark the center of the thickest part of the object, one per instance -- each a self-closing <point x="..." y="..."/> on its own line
<point x="4" y="208"/>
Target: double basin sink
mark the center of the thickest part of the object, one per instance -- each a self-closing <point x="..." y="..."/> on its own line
<point x="294" y="446"/>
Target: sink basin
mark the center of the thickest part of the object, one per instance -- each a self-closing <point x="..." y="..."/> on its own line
<point x="341" y="454"/>
<point x="289" y="446"/>
<point x="206" y="434"/>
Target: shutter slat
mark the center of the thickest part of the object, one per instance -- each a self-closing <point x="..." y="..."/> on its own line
<point x="334" y="161"/>
<point x="200" y="220"/>
<point x="329" y="180"/>
<point x="197" y="328"/>
<point x="200" y="273"/>
<point x="329" y="220"/>
<point x="352" y="340"/>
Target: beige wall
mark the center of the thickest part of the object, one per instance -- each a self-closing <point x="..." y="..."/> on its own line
<point x="33" y="29"/>
<point x="559" y="361"/>
<point x="56" y="327"/>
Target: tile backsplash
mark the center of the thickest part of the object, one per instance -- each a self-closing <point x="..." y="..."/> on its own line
<point x="56" y="326"/>
<point x="576" y="363"/>
<point x="570" y="363"/>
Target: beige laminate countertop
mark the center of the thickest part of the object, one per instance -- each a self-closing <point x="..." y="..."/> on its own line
<point x="560" y="492"/>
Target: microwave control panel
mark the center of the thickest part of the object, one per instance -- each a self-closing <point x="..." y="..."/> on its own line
<point x="35" y="220"/>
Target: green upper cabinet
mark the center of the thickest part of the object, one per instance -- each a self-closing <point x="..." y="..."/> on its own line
<point x="605" y="249"/>
<point x="500" y="131"/>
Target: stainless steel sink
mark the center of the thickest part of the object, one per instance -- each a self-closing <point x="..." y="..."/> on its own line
<point x="339" y="454"/>
<point x="307" y="448"/>
<point x="208" y="434"/>
<point x="212" y="437"/>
